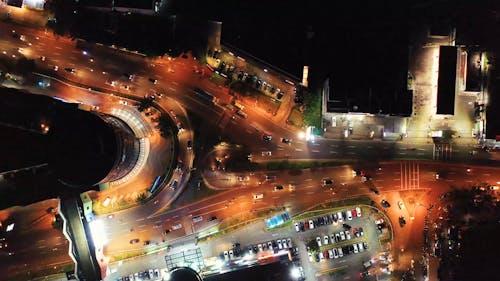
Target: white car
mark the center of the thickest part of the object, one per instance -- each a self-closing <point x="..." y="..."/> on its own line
<point x="358" y="212"/>
<point x="360" y="247"/>
<point x="349" y="215"/>
<point x="339" y="215"/>
<point x="335" y="253"/>
<point x="297" y="227"/>
<point x="347" y="235"/>
<point x="330" y="253"/>
<point x="289" y="242"/>
<point x="270" y="245"/>
<point x="341" y="254"/>
<point x="321" y="257"/>
<point x="401" y="205"/>
<point x="332" y="238"/>
<point x="226" y="255"/>
<point x="266" y="153"/>
<point x="325" y="240"/>
<point x="318" y="240"/>
<point x="311" y="224"/>
<point x="279" y="244"/>
<point x="231" y="254"/>
<point x="309" y="254"/>
<point x="259" y="247"/>
<point x="355" y="248"/>
<point x="342" y="236"/>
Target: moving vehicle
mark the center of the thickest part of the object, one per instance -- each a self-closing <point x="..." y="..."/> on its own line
<point x="267" y="137"/>
<point x="385" y="203"/>
<point x="266" y="153"/>
<point x="401" y="205"/>
<point x="241" y="113"/>
<point x="258" y="196"/>
<point x="152" y="80"/>
<point x="278" y="187"/>
<point x="327" y="181"/>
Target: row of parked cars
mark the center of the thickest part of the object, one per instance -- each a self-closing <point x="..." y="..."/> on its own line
<point x="152" y="274"/>
<point x="333" y="218"/>
<point x="273" y="245"/>
<point x="339" y="252"/>
<point x="339" y="236"/>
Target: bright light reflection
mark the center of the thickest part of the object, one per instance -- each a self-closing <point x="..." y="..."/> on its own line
<point x="98" y="234"/>
<point x="295" y="272"/>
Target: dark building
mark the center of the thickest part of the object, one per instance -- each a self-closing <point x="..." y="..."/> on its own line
<point x="447" y="80"/>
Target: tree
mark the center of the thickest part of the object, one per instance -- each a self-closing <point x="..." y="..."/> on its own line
<point x="312" y="110"/>
<point x="145" y="103"/>
<point x="313" y="245"/>
<point x="141" y="198"/>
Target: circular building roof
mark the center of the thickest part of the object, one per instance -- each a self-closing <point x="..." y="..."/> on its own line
<point x="83" y="148"/>
<point x="184" y="274"/>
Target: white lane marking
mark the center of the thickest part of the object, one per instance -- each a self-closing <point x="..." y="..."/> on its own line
<point x="140" y="219"/>
<point x="315" y="151"/>
<point x="298" y="149"/>
<point x="402" y="153"/>
<point x="172" y="89"/>
<point x="333" y="152"/>
<point x="379" y="180"/>
<point x="351" y="146"/>
<point x="310" y="186"/>
<point x="310" y="192"/>
<point x="334" y="145"/>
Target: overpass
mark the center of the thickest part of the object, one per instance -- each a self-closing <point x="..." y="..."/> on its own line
<point x="76" y="229"/>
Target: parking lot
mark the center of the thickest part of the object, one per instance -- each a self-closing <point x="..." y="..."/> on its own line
<point x="348" y="244"/>
<point x="341" y="247"/>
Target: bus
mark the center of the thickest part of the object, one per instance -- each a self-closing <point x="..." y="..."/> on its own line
<point x="153" y="187"/>
<point x="205" y="95"/>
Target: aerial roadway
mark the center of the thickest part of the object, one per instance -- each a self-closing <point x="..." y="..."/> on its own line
<point x="106" y="77"/>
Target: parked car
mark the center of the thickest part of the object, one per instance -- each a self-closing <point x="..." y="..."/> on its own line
<point x="297" y="227"/>
<point x="325" y="240"/>
<point x="311" y="224"/>
<point x="318" y="240"/>
<point x="342" y="236"/>
<point x="349" y="215"/>
<point x="341" y="253"/>
<point x="358" y="212"/>
<point x="355" y="246"/>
